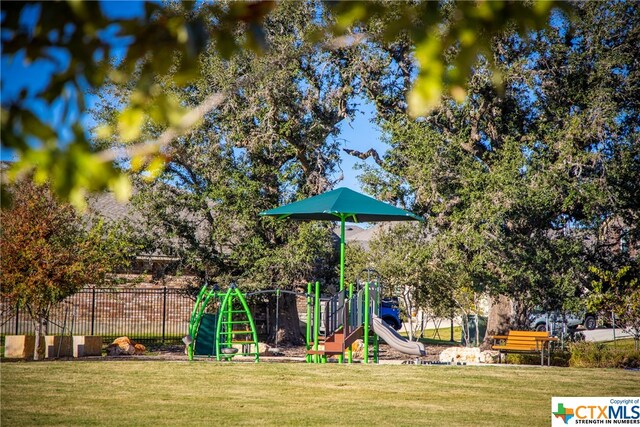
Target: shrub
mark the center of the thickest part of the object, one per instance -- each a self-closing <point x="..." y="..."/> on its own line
<point x="558" y="358"/>
<point x="600" y="355"/>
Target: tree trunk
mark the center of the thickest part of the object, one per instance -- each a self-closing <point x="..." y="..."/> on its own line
<point x="408" y="303"/>
<point x="520" y="314"/>
<point x="477" y="337"/>
<point x="499" y="321"/>
<point x="477" y="321"/>
<point x="465" y="327"/>
<point x="288" y="331"/>
<point x="36" y="347"/>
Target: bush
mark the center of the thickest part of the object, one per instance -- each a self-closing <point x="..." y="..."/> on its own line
<point x="558" y="358"/>
<point x="600" y="355"/>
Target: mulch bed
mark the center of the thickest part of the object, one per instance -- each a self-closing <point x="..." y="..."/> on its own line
<point x="386" y="353"/>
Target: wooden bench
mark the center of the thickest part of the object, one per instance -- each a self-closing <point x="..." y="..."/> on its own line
<point x="524" y="342"/>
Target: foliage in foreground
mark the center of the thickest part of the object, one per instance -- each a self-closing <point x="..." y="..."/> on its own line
<point x="168" y="38"/>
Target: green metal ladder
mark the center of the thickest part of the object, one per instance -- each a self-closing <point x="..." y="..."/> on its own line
<point x="233" y="315"/>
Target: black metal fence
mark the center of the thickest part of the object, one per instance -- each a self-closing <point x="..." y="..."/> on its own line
<point x="157" y="314"/>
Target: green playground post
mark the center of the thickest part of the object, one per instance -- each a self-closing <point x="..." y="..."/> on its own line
<point x="350" y="353"/>
<point x="316" y="321"/>
<point x="343" y="217"/>
<point x="376" y="310"/>
<point x="366" y="322"/>
<point x="308" y="330"/>
<point x="229" y="321"/>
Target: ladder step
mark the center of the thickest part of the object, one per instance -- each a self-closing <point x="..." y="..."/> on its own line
<point x="234" y="311"/>
<point x="246" y="322"/>
<point x="236" y="332"/>
<point x="242" y="342"/>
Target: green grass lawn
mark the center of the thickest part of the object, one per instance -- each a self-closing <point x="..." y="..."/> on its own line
<point x="440" y="337"/>
<point x="136" y="393"/>
<point x="625" y="344"/>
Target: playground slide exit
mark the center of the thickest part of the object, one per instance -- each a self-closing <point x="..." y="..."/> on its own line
<point x="395" y="340"/>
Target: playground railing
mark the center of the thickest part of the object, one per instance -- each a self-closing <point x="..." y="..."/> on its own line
<point x="334" y="313"/>
<point x="356" y="309"/>
<point x="349" y="313"/>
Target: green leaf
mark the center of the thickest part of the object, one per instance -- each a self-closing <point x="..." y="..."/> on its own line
<point x="121" y="187"/>
<point x="130" y="124"/>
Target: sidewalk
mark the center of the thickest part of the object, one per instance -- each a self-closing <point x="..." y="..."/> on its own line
<point x="603" y="334"/>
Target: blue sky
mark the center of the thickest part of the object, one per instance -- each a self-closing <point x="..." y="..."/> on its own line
<point x="360" y="133"/>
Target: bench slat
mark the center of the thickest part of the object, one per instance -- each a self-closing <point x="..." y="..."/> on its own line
<point x="516" y="347"/>
<point x="532" y="335"/>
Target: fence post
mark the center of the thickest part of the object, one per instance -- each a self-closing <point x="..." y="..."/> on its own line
<point x="164" y="312"/>
<point x="93" y="310"/>
<point x="17" y="317"/>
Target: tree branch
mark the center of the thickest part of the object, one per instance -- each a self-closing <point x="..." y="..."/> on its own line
<point x="153" y="146"/>
<point x="364" y="156"/>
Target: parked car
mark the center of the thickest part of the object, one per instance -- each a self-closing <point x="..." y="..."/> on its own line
<point x="390" y="312"/>
<point x="539" y="320"/>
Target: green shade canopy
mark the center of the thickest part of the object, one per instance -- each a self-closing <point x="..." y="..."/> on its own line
<point x="342" y="204"/>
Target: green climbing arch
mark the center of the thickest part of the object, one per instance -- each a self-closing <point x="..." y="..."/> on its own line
<point x="203" y="299"/>
<point x="235" y="326"/>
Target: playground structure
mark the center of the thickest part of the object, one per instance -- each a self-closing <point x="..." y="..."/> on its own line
<point x="222" y="325"/>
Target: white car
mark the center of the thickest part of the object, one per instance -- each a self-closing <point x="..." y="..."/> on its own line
<point x="554" y="321"/>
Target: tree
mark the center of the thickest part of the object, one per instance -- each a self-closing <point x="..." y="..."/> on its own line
<point x="521" y="184"/>
<point x="273" y="141"/>
<point x="401" y="254"/>
<point x="48" y="253"/>
<point x="618" y="294"/>
<point x="79" y="41"/>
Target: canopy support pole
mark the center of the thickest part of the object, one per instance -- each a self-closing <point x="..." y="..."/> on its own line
<point x="342" y="248"/>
